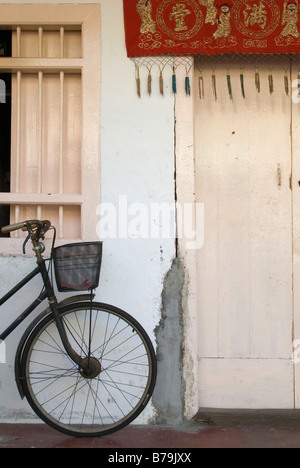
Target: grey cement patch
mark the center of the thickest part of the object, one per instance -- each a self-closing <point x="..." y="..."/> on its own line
<point x="169" y="391"/>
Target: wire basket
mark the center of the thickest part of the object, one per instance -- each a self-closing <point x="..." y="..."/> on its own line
<point x="77" y="266"/>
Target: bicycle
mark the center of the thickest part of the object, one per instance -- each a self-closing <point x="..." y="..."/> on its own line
<point x="87" y="369"/>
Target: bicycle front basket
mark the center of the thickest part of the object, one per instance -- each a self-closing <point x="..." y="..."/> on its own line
<point x="77" y="266"/>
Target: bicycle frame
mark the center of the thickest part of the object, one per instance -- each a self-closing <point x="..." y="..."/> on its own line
<point x="29" y="309"/>
<point x="48" y="292"/>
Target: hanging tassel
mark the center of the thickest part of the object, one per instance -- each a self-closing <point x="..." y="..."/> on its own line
<point x="229" y="85"/>
<point x="257" y="80"/>
<point x="174" y="86"/>
<point x="286" y="84"/>
<point x="271" y="83"/>
<point x="149" y="84"/>
<point x="187" y="85"/>
<point x="138" y="83"/>
<point x="214" y="85"/>
<point x="242" y="83"/>
<point x="161" y="83"/>
<point x="201" y="86"/>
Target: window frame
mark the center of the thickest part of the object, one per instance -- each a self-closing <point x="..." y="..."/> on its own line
<point x="88" y="18"/>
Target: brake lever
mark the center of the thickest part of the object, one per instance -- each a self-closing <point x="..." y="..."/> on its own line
<point x="24" y="244"/>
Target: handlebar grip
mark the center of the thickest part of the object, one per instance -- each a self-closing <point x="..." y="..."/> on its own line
<point x="13" y="227"/>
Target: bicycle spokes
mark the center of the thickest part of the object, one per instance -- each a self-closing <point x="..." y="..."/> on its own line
<point x="113" y="387"/>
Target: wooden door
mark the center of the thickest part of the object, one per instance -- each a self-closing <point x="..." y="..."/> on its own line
<point x="244" y="163"/>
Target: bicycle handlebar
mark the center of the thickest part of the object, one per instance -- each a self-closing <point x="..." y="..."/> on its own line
<point x="41" y="226"/>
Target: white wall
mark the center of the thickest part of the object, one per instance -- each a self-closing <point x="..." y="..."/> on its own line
<point x="137" y="153"/>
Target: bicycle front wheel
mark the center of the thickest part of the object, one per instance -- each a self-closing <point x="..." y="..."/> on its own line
<point x="120" y="380"/>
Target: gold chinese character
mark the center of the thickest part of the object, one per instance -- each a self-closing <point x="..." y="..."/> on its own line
<point x="179" y="12"/>
<point x="255" y="15"/>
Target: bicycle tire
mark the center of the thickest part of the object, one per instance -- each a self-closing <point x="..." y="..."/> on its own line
<point x="122" y="380"/>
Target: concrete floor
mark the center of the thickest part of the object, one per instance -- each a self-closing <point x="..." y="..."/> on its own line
<point x="187" y="436"/>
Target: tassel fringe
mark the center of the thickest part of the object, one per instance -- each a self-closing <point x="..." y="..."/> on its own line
<point x="286" y="84"/>
<point x="229" y="86"/>
<point x="161" y="83"/>
<point x="187" y="86"/>
<point x="257" y="80"/>
<point x="214" y="85"/>
<point x="201" y="84"/>
<point x="174" y="84"/>
<point x="242" y="83"/>
<point x="138" y="84"/>
<point x="149" y="86"/>
<point x="271" y="83"/>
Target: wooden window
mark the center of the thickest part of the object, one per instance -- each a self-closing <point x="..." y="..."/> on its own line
<point x="55" y="113"/>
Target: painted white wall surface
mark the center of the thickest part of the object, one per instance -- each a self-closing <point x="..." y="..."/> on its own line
<point x="137" y="166"/>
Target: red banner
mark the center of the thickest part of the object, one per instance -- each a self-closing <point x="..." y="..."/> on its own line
<point x="156" y="27"/>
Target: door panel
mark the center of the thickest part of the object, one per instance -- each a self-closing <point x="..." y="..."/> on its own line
<point x="245" y="268"/>
<point x="295" y="131"/>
